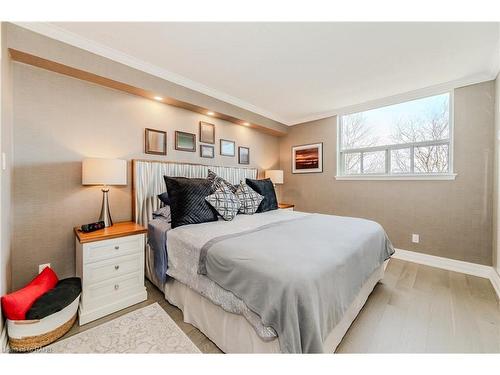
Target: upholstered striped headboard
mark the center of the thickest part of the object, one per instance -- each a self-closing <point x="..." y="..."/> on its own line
<point x="147" y="182"/>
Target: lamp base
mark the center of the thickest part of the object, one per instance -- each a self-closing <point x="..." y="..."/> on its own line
<point x="105" y="214"/>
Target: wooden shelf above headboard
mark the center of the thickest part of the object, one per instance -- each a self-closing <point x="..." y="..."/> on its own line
<point x="53" y="66"/>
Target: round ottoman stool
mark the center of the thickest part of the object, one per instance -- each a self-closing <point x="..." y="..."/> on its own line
<point x="49" y="318"/>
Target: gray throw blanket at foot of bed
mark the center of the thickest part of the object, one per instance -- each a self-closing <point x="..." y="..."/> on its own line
<point x="299" y="275"/>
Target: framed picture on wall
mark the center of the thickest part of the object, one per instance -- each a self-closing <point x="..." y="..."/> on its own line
<point x="243" y="155"/>
<point x="155" y="142"/>
<point x="207" y="151"/>
<point x="307" y="158"/>
<point x="207" y="132"/>
<point x="185" y="141"/>
<point x="227" y="148"/>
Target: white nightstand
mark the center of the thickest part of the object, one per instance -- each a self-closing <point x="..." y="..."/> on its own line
<point x="110" y="263"/>
<point x="286" y="206"/>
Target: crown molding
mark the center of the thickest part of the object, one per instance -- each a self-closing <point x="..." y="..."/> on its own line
<point x="54" y="32"/>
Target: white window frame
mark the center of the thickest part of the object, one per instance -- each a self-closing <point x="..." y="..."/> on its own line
<point x="450" y="175"/>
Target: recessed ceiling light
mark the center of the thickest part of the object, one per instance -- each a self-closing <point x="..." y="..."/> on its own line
<point x="210" y="113"/>
<point x="246" y="123"/>
<point x="159" y="98"/>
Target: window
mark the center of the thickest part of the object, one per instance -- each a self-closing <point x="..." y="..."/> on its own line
<point x="401" y="141"/>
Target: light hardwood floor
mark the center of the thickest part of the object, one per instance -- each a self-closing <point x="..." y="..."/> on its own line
<point x="414" y="309"/>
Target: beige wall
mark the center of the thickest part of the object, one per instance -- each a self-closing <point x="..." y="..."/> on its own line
<point x="453" y="218"/>
<point x="5" y="175"/>
<point x="59" y="121"/>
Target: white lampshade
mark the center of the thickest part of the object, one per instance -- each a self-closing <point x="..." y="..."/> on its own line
<point x="104" y="172"/>
<point x="276" y="176"/>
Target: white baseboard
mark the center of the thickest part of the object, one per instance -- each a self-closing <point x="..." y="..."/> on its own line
<point x="444" y="263"/>
<point x="4" y="344"/>
<point x="468" y="268"/>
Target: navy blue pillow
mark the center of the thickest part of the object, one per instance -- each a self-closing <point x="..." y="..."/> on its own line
<point x="164" y="198"/>
<point x="187" y="200"/>
<point x="266" y="189"/>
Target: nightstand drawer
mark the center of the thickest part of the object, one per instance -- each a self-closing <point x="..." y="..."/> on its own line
<point x="107" y="269"/>
<point x="106" y="249"/>
<point x="112" y="290"/>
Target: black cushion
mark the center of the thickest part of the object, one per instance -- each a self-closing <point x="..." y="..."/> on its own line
<point x="266" y="189"/>
<point x="187" y="200"/>
<point x="164" y="198"/>
<point x="56" y="299"/>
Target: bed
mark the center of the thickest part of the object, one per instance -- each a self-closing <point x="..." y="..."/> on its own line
<point x="279" y="281"/>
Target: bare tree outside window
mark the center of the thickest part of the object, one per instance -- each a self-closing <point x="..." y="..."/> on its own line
<point x="406" y="138"/>
<point x="431" y="126"/>
<point x="401" y="160"/>
<point x="356" y="134"/>
<point x="374" y="162"/>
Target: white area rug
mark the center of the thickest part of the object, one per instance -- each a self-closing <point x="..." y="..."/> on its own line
<point x="146" y="330"/>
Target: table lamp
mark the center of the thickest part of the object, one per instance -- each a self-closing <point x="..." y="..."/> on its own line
<point x="104" y="172"/>
<point x="276" y="176"/>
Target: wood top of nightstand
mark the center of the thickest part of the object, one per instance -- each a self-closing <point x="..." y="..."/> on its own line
<point x="125" y="228"/>
<point x="285" y="205"/>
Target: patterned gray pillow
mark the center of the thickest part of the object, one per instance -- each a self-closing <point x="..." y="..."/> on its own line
<point x="219" y="182"/>
<point x="163" y="212"/>
<point x="249" y="199"/>
<point x="225" y="203"/>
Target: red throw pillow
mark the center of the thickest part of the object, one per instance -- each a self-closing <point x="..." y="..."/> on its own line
<point x="15" y="305"/>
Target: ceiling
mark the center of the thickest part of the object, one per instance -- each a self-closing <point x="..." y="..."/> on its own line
<point x="296" y="72"/>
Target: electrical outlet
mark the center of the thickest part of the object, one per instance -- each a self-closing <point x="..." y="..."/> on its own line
<point x="42" y="266"/>
<point x="415" y="238"/>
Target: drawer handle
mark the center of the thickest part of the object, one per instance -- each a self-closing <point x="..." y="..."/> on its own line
<point x="117" y="247"/>
<point x="117" y="267"/>
<point x="117" y="286"/>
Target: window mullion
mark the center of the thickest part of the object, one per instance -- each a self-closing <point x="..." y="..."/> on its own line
<point x="361" y="162"/>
